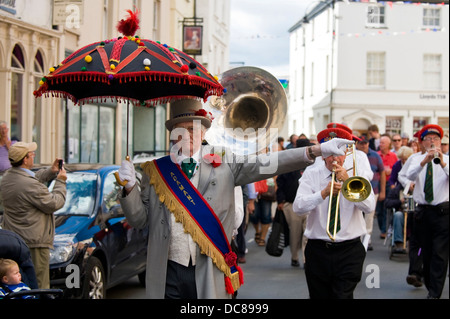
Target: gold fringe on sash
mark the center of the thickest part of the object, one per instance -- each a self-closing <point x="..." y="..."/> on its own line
<point x="182" y="216"/>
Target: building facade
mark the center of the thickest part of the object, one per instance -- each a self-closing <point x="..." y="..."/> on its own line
<point x="369" y="62"/>
<point x="36" y="35"/>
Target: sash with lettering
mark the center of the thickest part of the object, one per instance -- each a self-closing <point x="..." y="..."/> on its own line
<point x="189" y="207"/>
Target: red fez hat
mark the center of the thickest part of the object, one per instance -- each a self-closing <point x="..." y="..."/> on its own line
<point x="430" y="128"/>
<point x="331" y="133"/>
<point x="344" y="127"/>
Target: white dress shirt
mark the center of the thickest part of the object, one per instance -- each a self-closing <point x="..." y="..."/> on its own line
<point x="182" y="247"/>
<point x="417" y="173"/>
<point x="309" y="199"/>
<point x="402" y="174"/>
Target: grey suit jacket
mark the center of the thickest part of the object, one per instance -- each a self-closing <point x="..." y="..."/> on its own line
<point x="143" y="209"/>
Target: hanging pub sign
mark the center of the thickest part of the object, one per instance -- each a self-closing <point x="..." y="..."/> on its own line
<point x="192" y="39"/>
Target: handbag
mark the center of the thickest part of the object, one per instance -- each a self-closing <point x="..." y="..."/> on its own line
<point x="279" y="235"/>
<point x="270" y="195"/>
<point x="267" y="193"/>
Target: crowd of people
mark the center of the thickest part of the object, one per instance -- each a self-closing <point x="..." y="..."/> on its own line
<point x="197" y="234"/>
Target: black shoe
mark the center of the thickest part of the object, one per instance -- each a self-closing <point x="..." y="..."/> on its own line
<point x="431" y="297"/>
<point x="295" y="263"/>
<point x="414" y="280"/>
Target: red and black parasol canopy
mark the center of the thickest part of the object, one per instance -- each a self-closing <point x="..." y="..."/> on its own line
<point x="143" y="71"/>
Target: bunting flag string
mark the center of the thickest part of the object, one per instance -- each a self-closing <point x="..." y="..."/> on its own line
<point x="389" y="4"/>
<point x="391" y="33"/>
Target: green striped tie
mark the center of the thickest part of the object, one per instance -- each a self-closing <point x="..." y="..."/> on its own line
<point x="332" y="217"/>
<point x="429" y="183"/>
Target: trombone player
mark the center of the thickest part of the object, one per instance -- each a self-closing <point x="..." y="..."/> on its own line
<point x="334" y="253"/>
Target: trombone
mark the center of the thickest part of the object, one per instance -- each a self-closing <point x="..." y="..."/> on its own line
<point x="354" y="189"/>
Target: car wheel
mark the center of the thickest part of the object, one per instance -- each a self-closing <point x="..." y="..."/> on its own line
<point x="94" y="286"/>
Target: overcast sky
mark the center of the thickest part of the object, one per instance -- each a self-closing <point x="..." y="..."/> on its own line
<point x="259" y="32"/>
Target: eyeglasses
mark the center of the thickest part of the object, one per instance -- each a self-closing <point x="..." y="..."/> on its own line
<point x="432" y="139"/>
<point x="396" y="140"/>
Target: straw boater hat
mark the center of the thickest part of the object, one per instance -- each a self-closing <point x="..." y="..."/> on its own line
<point x="430" y="128"/>
<point x="188" y="110"/>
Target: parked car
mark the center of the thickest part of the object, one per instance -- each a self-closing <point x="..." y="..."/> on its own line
<point x="94" y="246"/>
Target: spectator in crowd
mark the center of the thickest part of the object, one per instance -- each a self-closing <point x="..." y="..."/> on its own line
<point x="29" y="205"/>
<point x="11" y="279"/>
<point x="5" y="144"/>
<point x="444" y="145"/>
<point x="405" y="139"/>
<point x="389" y="159"/>
<point x="396" y="143"/>
<point x="378" y="181"/>
<point x="374" y="134"/>
<point x="292" y="139"/>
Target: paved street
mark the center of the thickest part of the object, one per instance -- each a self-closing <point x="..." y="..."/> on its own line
<point x="269" y="277"/>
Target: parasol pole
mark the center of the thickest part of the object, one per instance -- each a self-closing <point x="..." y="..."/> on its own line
<point x="116" y="174"/>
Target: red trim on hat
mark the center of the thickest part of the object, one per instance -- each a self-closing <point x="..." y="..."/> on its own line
<point x="331" y="133"/>
<point x="344" y="127"/>
<point x="430" y="128"/>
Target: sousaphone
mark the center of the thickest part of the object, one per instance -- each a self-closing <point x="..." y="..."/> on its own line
<point x="250" y="114"/>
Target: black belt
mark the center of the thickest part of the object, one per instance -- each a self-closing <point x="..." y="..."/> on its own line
<point x="330" y="244"/>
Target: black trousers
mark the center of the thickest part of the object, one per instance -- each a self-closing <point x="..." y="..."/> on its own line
<point x="180" y="281"/>
<point x="415" y="256"/>
<point x="433" y="227"/>
<point x="333" y="269"/>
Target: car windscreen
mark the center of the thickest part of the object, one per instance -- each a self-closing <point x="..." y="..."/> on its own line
<point x="81" y="192"/>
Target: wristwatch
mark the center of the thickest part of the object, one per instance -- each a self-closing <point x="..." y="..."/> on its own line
<point x="310" y="153"/>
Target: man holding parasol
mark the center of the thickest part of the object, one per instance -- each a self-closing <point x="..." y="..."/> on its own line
<point x="186" y="199"/>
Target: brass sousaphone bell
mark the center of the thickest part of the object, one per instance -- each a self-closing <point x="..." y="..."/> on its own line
<point x="248" y="117"/>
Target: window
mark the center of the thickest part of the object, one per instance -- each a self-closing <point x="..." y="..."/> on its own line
<point x="393" y="125"/>
<point x="443" y="122"/>
<point x="375" y="16"/>
<point x="432" y="71"/>
<point x="37" y="124"/>
<point x="156" y="21"/>
<point x="375" y="69"/>
<point x="152" y="132"/>
<point x="91" y="133"/>
<point x="431" y="18"/>
<point x="18" y="68"/>
<point x="419" y="122"/>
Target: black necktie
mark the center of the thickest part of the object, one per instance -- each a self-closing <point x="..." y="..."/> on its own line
<point x="188" y="167"/>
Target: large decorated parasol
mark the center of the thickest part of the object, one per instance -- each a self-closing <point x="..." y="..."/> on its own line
<point x="129" y="68"/>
